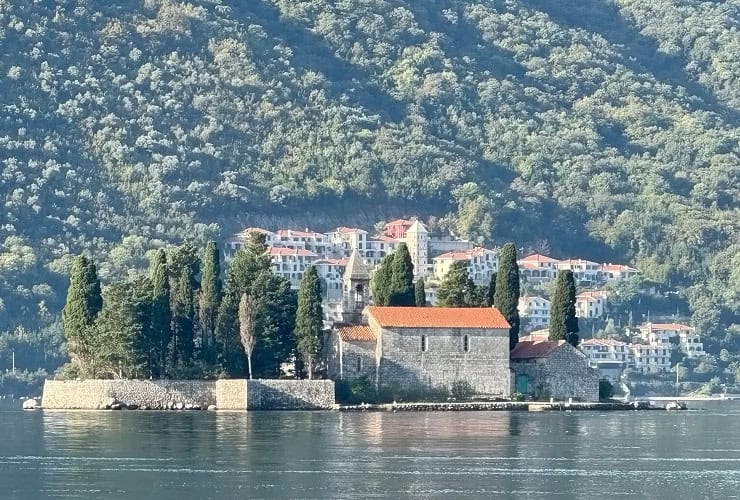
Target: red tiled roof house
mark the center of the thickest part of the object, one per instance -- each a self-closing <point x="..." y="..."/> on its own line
<point x="425" y="346"/>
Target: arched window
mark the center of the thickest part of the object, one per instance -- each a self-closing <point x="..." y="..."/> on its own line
<point x="359" y="364"/>
<point x="466" y="343"/>
<point x="359" y="297"/>
<point x="424" y="343"/>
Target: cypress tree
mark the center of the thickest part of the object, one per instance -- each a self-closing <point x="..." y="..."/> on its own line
<point x="563" y="320"/>
<point x="381" y="282"/>
<point x="309" y="319"/>
<point x="453" y="289"/>
<point x="161" y="315"/>
<point x="491" y="292"/>
<point x="475" y="296"/>
<point x="209" y="299"/>
<point x="420" y="295"/>
<point x="247" y="313"/>
<point x="183" y="320"/>
<point x="402" y="279"/>
<point x="84" y="302"/>
<point x="506" y="295"/>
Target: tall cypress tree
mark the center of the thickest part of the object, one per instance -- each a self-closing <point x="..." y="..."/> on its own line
<point x="402" y="279"/>
<point x="183" y="320"/>
<point x="84" y="302"/>
<point x="491" y="292"/>
<point x="161" y="315"/>
<point x="309" y="321"/>
<point x="563" y="320"/>
<point x="209" y="299"/>
<point x="381" y="282"/>
<point x="506" y="296"/>
<point x="420" y="293"/>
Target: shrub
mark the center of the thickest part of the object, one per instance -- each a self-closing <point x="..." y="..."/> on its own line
<point x="461" y="390"/>
<point x="606" y="389"/>
<point x="517" y="396"/>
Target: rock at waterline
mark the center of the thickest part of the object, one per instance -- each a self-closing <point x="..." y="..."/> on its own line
<point x="211" y="407"/>
<point x="111" y="404"/>
<point x="31" y="404"/>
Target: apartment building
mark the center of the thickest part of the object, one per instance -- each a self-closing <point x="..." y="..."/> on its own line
<point x="535" y="311"/>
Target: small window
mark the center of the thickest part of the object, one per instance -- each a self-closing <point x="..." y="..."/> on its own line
<point x="424" y="343"/>
<point x="466" y="343"/>
<point x="359" y="364"/>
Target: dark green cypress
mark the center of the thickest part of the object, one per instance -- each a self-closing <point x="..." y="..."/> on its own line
<point x="506" y="296"/>
<point x="453" y="290"/>
<point x="209" y="299"/>
<point x="491" y="292"/>
<point x="563" y="320"/>
<point x="420" y="294"/>
<point x="309" y="319"/>
<point x="161" y="324"/>
<point x="381" y="282"/>
<point x="402" y="279"/>
<point x="183" y="320"/>
<point x="84" y="302"/>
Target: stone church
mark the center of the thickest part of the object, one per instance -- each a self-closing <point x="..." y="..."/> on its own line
<point x="417" y="346"/>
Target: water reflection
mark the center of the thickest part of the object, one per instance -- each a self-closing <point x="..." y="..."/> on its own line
<point x="328" y="455"/>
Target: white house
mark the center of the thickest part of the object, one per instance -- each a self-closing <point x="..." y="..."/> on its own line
<point x="536" y="310"/>
<point x="537" y="268"/>
<point x="583" y="270"/>
<point x="609" y="272"/>
<point x="482" y="263"/>
<point x="651" y="358"/>
<point x="591" y="304"/>
<point x="662" y="333"/>
<point x="291" y="263"/>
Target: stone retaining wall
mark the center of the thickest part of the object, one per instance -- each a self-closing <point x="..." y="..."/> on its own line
<point x="161" y="394"/>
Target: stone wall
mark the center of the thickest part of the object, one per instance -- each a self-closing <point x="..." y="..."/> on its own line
<point x="154" y="394"/>
<point x="161" y="394"/>
<point x="484" y="365"/>
<point x="561" y="375"/>
<point x="290" y="394"/>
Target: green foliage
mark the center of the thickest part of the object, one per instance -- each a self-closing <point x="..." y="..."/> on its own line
<point x="563" y="320"/>
<point x="606" y="389"/>
<point x="160" y="330"/>
<point x="42" y="348"/>
<point x="608" y="130"/>
<point x="23" y="383"/>
<point x="491" y="291"/>
<point x="506" y="296"/>
<point x="84" y="302"/>
<point x="309" y="322"/>
<point x="381" y="281"/>
<point x="452" y="289"/>
<point x="420" y="296"/>
<point x="209" y="299"/>
<point x="401" y="284"/>
<point x="461" y="390"/>
<point x="183" y="320"/>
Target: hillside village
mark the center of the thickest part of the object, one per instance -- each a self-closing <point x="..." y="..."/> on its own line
<point x="646" y="349"/>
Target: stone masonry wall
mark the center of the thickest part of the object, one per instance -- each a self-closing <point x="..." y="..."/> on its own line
<point x="160" y="394"/>
<point x="485" y="365"/>
<point x="155" y="394"/>
<point x="365" y="352"/>
<point x="290" y="394"/>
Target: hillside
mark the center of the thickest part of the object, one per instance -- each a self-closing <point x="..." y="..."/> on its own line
<point x="603" y="129"/>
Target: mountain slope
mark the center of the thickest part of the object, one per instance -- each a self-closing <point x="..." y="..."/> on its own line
<point x="603" y="129"/>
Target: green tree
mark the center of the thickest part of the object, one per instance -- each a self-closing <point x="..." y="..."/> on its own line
<point x="420" y="295"/>
<point x="183" y="320"/>
<point x="309" y="319"/>
<point x="246" y="328"/>
<point x="506" y="296"/>
<point x="209" y="299"/>
<point x="453" y="290"/>
<point x="381" y="282"/>
<point x="161" y="315"/>
<point x="402" y="279"/>
<point x="84" y="302"/>
<point x="491" y="292"/>
<point x="563" y="320"/>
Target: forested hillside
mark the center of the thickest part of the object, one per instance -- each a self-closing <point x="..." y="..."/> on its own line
<point x="604" y="129"/>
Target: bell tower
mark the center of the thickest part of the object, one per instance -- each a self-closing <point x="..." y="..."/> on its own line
<point x="355" y="288"/>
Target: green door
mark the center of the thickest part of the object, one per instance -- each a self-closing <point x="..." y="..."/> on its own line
<point x="522" y="381"/>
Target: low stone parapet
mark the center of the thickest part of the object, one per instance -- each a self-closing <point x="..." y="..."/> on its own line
<point x="236" y="394"/>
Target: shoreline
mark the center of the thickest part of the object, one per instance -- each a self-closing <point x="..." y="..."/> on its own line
<point x="528" y="406"/>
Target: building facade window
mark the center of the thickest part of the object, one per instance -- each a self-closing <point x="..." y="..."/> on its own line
<point x="424" y="343"/>
<point x="359" y="364"/>
<point x="466" y="343"/>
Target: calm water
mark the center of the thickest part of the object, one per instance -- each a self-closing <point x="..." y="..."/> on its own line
<point x="136" y="455"/>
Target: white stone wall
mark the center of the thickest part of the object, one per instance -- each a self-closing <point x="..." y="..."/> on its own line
<point x="290" y="394"/>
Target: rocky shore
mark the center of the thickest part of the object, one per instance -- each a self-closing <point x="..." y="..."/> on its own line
<point x="501" y="406"/>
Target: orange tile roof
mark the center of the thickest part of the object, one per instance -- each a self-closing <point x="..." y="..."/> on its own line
<point x="350" y="230"/>
<point x="531" y="349"/>
<point x="464" y="254"/>
<point x="536" y="257"/>
<point x="438" y="317"/>
<point x="400" y="222"/>
<point x="290" y="251"/>
<point x="356" y="333"/>
<point x="669" y="326"/>
<point x="602" y="342"/>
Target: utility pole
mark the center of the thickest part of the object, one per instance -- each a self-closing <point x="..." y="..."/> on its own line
<point x="13" y="370"/>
